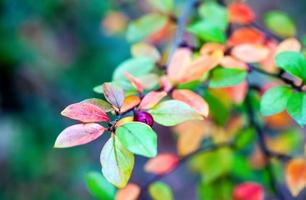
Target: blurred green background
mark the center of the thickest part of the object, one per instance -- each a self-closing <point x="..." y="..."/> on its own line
<point x="52" y="53"/>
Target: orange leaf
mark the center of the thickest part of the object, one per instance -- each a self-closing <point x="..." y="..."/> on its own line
<point x="114" y="22"/>
<point x="193" y="100"/>
<point x="151" y="99"/>
<point x="162" y="34"/>
<point x="296" y="175"/>
<point x="130" y="192"/>
<point x="85" y="112"/>
<point x="162" y="163"/>
<point x="237" y="92"/>
<point x="248" y="191"/>
<point x="250" y="53"/>
<point x="231" y="62"/>
<point x="240" y="13"/>
<point x="190" y="136"/>
<point x="201" y="65"/>
<point x="209" y="48"/>
<point x="134" y="81"/>
<point x="246" y="35"/>
<point x="290" y="44"/>
<point x="124" y="120"/>
<point x="179" y="63"/>
<point x="129" y="103"/>
<point x="268" y="64"/>
<point x="279" y="120"/>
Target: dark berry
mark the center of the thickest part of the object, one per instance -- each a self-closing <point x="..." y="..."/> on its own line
<point x="144" y="117"/>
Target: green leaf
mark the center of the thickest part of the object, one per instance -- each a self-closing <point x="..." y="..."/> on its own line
<point x="207" y="31"/>
<point x="173" y="112"/>
<point x="135" y="66"/>
<point x="99" y="187"/>
<point x="292" y="62"/>
<point x="275" y="100"/>
<point x="100" y="103"/>
<point x="214" y="13"/>
<point x="244" y="138"/>
<point x="225" y="77"/>
<point x="165" y="6"/>
<point x="138" y="138"/>
<point x="212" y="165"/>
<point x="117" y="162"/>
<point x="221" y="189"/>
<point x="144" y="26"/>
<point x="160" y="191"/>
<point x="280" y="23"/>
<point x="297" y="107"/>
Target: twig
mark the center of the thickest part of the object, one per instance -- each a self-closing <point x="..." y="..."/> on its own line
<point x="181" y="23"/>
<point x="268" y="33"/>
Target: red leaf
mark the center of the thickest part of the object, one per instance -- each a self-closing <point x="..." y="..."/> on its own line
<point x="162" y="164"/>
<point x="134" y="81"/>
<point x="240" y="13"/>
<point x="246" y="35"/>
<point x="296" y="175"/>
<point x="85" y="112"/>
<point x="130" y="192"/>
<point x="237" y="92"/>
<point x="193" y="100"/>
<point x="113" y="94"/>
<point x="248" y="191"/>
<point x="78" y="134"/>
<point x="151" y="99"/>
<point x="129" y="103"/>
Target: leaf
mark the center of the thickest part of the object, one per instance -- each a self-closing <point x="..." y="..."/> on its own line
<point x="231" y="62"/>
<point x="238" y="92"/>
<point x="130" y="192"/>
<point x="197" y="69"/>
<point x="129" y="103"/>
<point x="165" y="6"/>
<point x="98" y="89"/>
<point x="162" y="164"/>
<point x="144" y="26"/>
<point x="218" y="190"/>
<point x="212" y="165"/>
<point x="297" y="107"/>
<point x="225" y="77"/>
<point x="151" y="99"/>
<point x="280" y="23"/>
<point x="292" y="62"/>
<point x="85" y="112"/>
<point x="211" y="47"/>
<point x="214" y="13"/>
<point x="190" y="136"/>
<point x="192" y="99"/>
<point x="248" y="190"/>
<point x="78" y="134"/>
<point x="135" y="82"/>
<point x="160" y="191"/>
<point x="246" y="35"/>
<point x="100" y="103"/>
<point x="117" y="162"/>
<point x="99" y="187"/>
<point x="208" y="31"/>
<point x="138" y="138"/>
<point x="295" y="175"/>
<point x="134" y="66"/>
<point x="142" y="49"/>
<point x="241" y="13"/>
<point x="173" y="112"/>
<point x="113" y="94"/>
<point x="250" y="53"/>
<point x="180" y="60"/>
<point x="289" y="44"/>
<point x="275" y="100"/>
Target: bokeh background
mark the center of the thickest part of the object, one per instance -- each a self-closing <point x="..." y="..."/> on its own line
<point x="52" y="53"/>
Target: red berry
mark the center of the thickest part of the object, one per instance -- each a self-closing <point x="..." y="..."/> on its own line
<point x="144" y="117"/>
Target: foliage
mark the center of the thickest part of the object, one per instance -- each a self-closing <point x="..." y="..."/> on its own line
<point x="204" y="82"/>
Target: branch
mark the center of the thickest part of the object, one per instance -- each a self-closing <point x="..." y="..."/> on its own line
<point x="268" y="33"/>
<point x="181" y="23"/>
